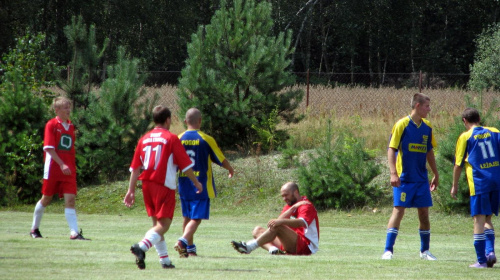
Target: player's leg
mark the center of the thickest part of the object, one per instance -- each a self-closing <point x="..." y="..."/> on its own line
<point x="38" y="214"/>
<point x="489" y="230"/>
<point x="422" y="199"/>
<point x="162" y="225"/>
<point x="48" y="190"/>
<point x="194" y="211"/>
<point x="287" y="236"/>
<point x="397" y="215"/>
<point x="188" y="236"/>
<point x="271" y="247"/>
<point x="480" y="239"/>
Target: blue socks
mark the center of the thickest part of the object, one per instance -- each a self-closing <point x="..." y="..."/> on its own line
<point x="392" y="233"/>
<point x="425" y="239"/>
<point x="490" y="240"/>
<point x="480" y="245"/>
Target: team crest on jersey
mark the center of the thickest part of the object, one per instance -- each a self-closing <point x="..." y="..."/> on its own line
<point x="65" y="143"/>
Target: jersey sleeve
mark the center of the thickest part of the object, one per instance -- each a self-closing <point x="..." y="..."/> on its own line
<point x="396" y="134"/>
<point x="460" y="149"/>
<point x="136" y="160"/>
<point x="181" y="158"/>
<point x="307" y="213"/>
<point x="49" y="138"/>
<point x="216" y="154"/>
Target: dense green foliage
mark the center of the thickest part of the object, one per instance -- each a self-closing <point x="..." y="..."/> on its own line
<point x="342" y="36"/>
<point x="338" y="174"/>
<point x="23" y="114"/>
<point x="236" y="74"/>
<point x="22" y="124"/>
<point x="485" y="72"/>
<point x="111" y="125"/>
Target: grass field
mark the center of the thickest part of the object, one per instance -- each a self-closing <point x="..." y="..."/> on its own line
<point x="350" y="248"/>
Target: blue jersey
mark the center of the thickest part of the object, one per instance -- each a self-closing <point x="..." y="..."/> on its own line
<point x="412" y="143"/>
<point x="477" y="150"/>
<point x="203" y="150"/>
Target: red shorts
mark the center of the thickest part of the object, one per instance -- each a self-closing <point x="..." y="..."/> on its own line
<point x="302" y="246"/>
<point x="51" y="187"/>
<point x="159" y="200"/>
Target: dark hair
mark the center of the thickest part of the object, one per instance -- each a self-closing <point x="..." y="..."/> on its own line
<point x="161" y="114"/>
<point x="471" y="115"/>
<point x="419" y="98"/>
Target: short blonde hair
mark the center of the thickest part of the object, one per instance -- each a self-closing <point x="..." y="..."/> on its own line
<point x="419" y="98"/>
<point x="60" y="101"/>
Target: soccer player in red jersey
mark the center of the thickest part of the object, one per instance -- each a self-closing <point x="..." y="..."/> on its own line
<point x="59" y="174"/>
<point x="295" y="231"/>
<point x="158" y="154"/>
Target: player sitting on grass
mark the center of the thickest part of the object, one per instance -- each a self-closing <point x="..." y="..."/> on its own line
<point x="295" y="231"/>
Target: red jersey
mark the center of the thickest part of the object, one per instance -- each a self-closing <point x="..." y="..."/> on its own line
<point x="61" y="137"/>
<point x="159" y="153"/>
<point x="309" y="215"/>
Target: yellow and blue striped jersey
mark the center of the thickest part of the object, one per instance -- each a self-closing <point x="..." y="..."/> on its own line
<point x="477" y="150"/>
<point x="203" y="150"/>
<point x="412" y="143"/>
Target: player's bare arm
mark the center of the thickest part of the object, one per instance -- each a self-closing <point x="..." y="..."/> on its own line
<point x="456" y="176"/>
<point x="64" y="168"/>
<point x="129" y="199"/>
<point x="293" y="223"/>
<point x="227" y="165"/>
<point x="391" y="158"/>
<point x="432" y="163"/>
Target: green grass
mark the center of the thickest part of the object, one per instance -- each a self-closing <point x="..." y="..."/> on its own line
<point x="350" y="248"/>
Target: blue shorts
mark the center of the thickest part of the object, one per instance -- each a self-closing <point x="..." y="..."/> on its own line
<point x="485" y="204"/>
<point x="410" y="195"/>
<point x="196" y="209"/>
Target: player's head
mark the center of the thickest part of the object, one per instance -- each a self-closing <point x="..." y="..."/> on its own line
<point x="290" y="193"/>
<point x="420" y="103"/>
<point x="471" y="115"/>
<point x="193" y="118"/>
<point x="161" y="114"/>
<point x="62" y="107"/>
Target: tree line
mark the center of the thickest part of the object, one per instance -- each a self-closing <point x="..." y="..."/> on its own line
<point x="351" y="36"/>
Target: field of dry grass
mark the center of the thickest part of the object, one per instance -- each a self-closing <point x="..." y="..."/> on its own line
<point x="369" y="112"/>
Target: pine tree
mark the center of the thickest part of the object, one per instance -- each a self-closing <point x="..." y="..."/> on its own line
<point x="237" y="73"/>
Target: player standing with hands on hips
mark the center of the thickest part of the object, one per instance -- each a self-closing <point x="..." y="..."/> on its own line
<point x="203" y="150"/>
<point x="478" y="150"/>
<point x="158" y="154"/>
<point x="59" y="173"/>
<point x="410" y="147"/>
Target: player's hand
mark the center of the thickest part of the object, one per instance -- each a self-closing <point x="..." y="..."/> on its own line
<point x="453" y="192"/>
<point x="65" y="169"/>
<point x="231" y="173"/>
<point x="395" y="181"/>
<point x="434" y="183"/>
<point x="129" y="199"/>
<point x="198" y="186"/>
<point x="274" y="223"/>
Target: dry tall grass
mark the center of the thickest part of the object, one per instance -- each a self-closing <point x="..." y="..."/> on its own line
<point x="369" y="112"/>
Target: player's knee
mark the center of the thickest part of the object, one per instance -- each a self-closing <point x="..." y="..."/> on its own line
<point x="257" y="231"/>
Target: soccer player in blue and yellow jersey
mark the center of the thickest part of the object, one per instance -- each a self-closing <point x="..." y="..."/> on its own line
<point x="203" y="150"/>
<point x="478" y="151"/>
<point x="410" y="147"/>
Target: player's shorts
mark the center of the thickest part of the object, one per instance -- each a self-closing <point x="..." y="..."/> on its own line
<point x="485" y="204"/>
<point x="302" y="246"/>
<point x="158" y="199"/>
<point x="196" y="209"/>
<point x="410" y="195"/>
<point x="51" y="187"/>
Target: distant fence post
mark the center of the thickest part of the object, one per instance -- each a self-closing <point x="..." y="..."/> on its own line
<point x="307" y="89"/>
<point x="420" y="82"/>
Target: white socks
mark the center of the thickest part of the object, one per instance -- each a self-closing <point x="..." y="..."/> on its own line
<point x="150" y="239"/>
<point x="72" y="221"/>
<point x="37" y="215"/>
<point x="161" y="249"/>
<point x="252" y="245"/>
